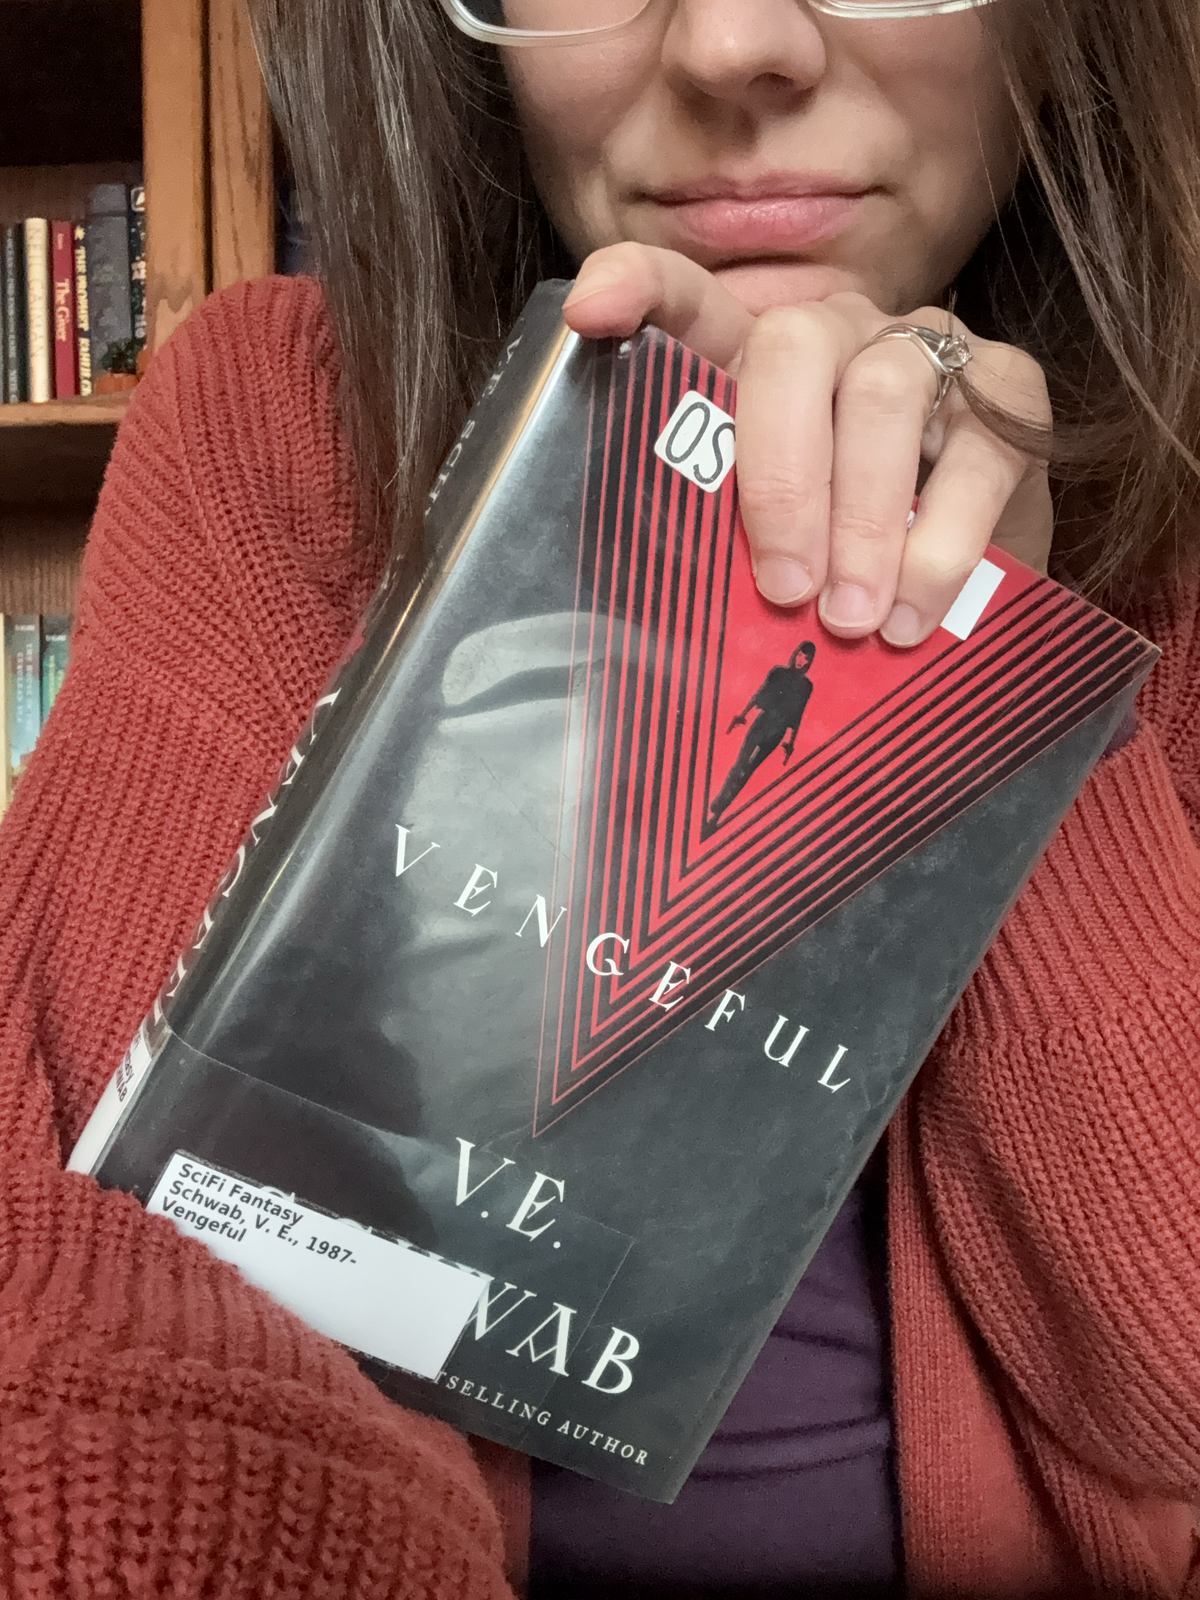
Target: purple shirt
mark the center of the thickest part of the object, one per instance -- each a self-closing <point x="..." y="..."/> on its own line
<point x="794" y="1493"/>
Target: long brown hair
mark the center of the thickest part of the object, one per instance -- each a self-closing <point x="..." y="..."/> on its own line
<point x="427" y="233"/>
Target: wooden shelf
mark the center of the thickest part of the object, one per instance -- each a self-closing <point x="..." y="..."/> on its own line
<point x="104" y="411"/>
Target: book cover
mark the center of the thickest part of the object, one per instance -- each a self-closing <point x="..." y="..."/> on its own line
<point x="62" y="279"/>
<point x="39" y="322"/>
<point x="601" y="917"/>
<point x="108" y="297"/>
<point x="56" y="641"/>
<point x="23" y="675"/>
<point x="137" y="263"/>
<point x="83" y="332"/>
<point x="16" y="344"/>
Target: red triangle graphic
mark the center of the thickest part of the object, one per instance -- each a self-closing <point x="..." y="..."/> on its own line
<point x="685" y="682"/>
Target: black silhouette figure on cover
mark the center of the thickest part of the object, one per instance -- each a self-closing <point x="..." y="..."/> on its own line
<point x="780" y="699"/>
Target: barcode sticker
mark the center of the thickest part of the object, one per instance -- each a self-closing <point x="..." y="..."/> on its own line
<point x="973" y="599"/>
<point x="377" y="1295"/>
<point x="699" y="441"/>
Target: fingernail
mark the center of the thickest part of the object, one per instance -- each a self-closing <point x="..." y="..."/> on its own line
<point x="847" y="605"/>
<point x="589" y="284"/>
<point x="903" y="625"/>
<point x="782" y="581"/>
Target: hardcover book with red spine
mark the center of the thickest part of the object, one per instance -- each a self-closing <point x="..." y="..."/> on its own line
<point x="62" y="287"/>
<point x="601" y="917"/>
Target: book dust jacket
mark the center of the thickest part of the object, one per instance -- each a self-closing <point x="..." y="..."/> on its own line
<point x="601" y="917"/>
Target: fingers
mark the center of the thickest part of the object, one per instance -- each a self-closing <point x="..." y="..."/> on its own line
<point x="965" y="497"/>
<point x="792" y="365"/>
<point x="879" y="420"/>
<point x="621" y="287"/>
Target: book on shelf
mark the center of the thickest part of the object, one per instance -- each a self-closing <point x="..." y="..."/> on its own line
<point x="36" y="651"/>
<point x="54" y="274"/>
<point x="137" y="263"/>
<point x="56" y="645"/>
<point x="22" y="676"/>
<point x="83" y="331"/>
<point x="601" y="917"/>
<point x="16" y="316"/>
<point x="110" y="316"/>
<point x="40" y="321"/>
<point x="62" y="279"/>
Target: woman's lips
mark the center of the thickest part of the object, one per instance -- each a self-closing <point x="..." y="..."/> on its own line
<point x="768" y="225"/>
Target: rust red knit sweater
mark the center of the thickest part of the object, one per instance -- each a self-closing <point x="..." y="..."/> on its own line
<point x="165" y="1429"/>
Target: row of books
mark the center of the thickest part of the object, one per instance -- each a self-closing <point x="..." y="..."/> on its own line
<point x="35" y="662"/>
<point x="73" y="299"/>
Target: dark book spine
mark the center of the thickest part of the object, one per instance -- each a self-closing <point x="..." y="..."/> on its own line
<point x="109" y="313"/>
<point x="62" y="269"/>
<point x="3" y="326"/>
<point x="137" y="263"/>
<point x="83" y="332"/>
<point x="39" y="322"/>
<point x="16" y="376"/>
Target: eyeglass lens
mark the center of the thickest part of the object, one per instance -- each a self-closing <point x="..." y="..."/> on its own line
<point x="554" y="16"/>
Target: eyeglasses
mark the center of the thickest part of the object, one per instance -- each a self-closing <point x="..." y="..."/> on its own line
<point x="524" y="22"/>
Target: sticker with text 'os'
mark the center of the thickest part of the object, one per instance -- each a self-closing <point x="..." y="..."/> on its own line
<point x="973" y="599"/>
<point x="377" y="1295"/>
<point x="699" y="442"/>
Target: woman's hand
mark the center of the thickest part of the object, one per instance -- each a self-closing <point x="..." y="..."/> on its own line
<point x="830" y="437"/>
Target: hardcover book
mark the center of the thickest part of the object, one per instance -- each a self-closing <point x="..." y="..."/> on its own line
<point x="601" y="917"/>
<point x="83" y="329"/>
<point x="16" y="346"/>
<point x="137" y="262"/>
<point x="39" y="321"/>
<point x="62" y="278"/>
<point x="23" y="677"/>
<point x="56" y="639"/>
<point x="108" y="296"/>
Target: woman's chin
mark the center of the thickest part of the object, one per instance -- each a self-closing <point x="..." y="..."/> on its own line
<point x="759" y="285"/>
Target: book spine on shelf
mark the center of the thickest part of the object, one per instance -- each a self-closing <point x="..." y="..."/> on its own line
<point x="5" y="719"/>
<point x="3" y="327"/>
<point x="83" y="333"/>
<point x="62" y="268"/>
<point x="37" y="291"/>
<point x="137" y="262"/>
<point x="56" y="633"/>
<point x="23" y="681"/>
<point x="16" y="373"/>
<point x="109" y="314"/>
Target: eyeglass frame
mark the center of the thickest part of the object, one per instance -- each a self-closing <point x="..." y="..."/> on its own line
<point x="851" y="10"/>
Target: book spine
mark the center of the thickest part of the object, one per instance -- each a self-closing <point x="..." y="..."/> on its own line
<point x="5" y="718"/>
<point x="107" y="240"/>
<point x="3" y="326"/>
<point x="137" y="263"/>
<point x="16" y="381"/>
<point x="37" y="291"/>
<point x="83" y="332"/>
<point x="62" y="268"/>
<point x="23" y="652"/>
<point x="56" y="636"/>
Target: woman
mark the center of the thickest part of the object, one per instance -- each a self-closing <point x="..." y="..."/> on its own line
<point x="778" y="183"/>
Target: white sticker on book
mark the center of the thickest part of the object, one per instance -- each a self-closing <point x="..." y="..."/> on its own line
<point x="377" y="1295"/>
<point x="699" y="442"/>
<point x="973" y="599"/>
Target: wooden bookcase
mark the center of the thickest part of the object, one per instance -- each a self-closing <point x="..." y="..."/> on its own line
<point x="89" y="91"/>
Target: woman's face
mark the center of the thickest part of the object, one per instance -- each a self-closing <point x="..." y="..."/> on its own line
<point x="792" y="154"/>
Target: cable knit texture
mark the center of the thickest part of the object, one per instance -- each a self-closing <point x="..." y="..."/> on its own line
<point x="169" y="1430"/>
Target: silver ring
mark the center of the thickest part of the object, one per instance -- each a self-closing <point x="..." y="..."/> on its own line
<point x="948" y="353"/>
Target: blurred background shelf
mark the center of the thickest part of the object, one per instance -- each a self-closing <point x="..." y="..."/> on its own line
<point x="102" y="91"/>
